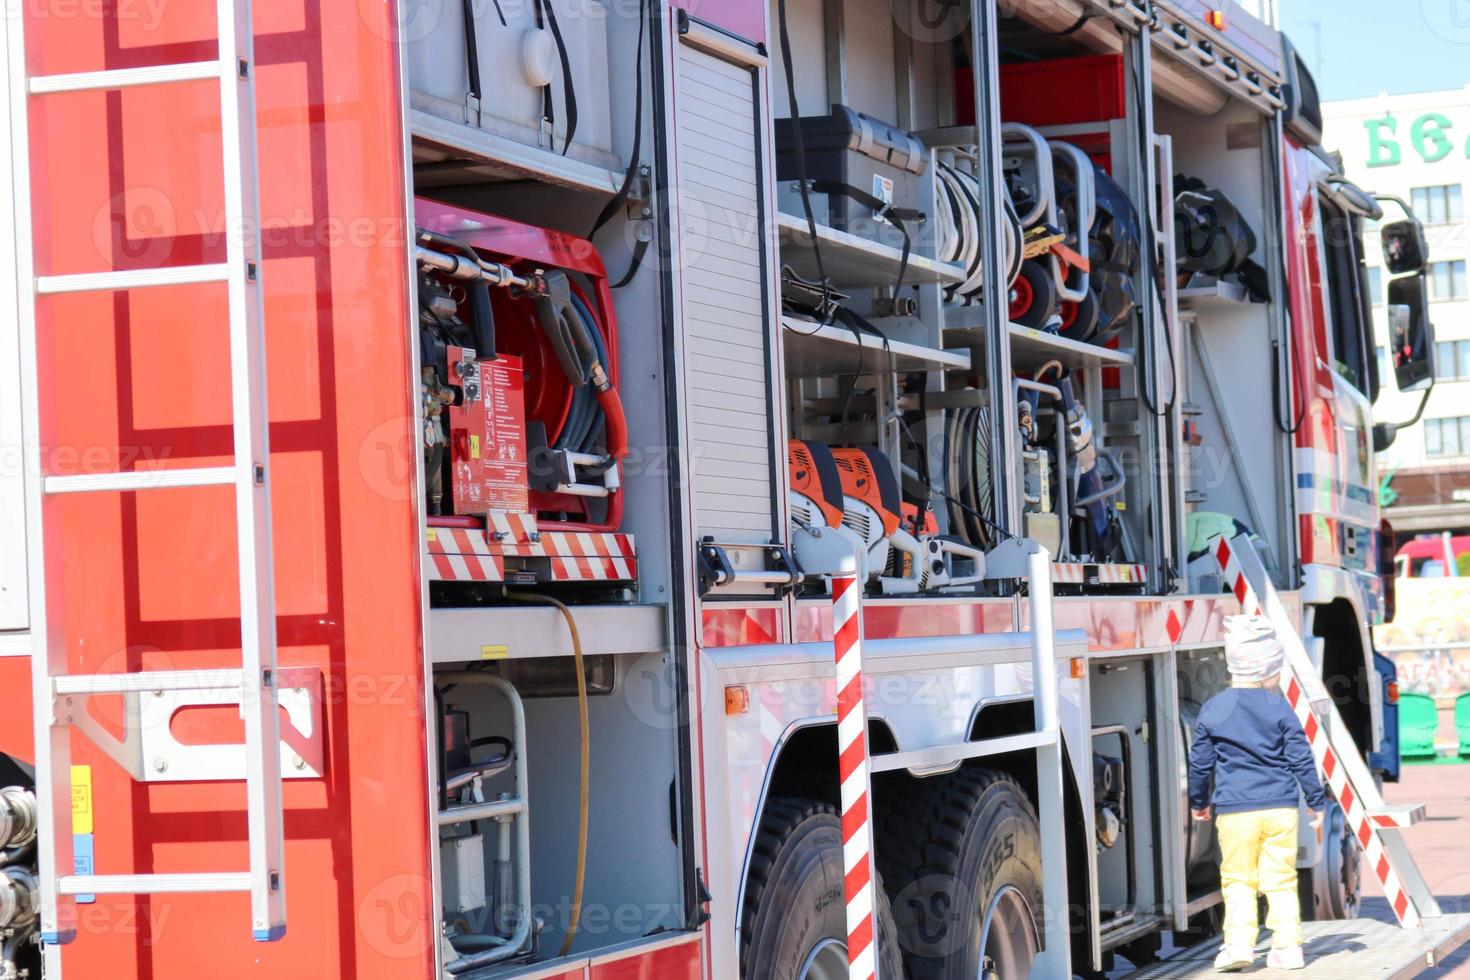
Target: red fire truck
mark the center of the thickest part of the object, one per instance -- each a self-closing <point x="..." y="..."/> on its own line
<point x="453" y="451"/>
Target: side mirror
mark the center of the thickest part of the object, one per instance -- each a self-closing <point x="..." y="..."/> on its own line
<point x="1411" y="335"/>
<point x="1405" y="250"/>
<point x="1384" y="436"/>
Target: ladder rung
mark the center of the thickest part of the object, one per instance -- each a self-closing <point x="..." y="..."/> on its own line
<point x="159" y="884"/>
<point x="116" y="78"/>
<point x="199" y="476"/>
<point x="227" y="678"/>
<point x="90" y="282"/>
<point x="1397" y="815"/>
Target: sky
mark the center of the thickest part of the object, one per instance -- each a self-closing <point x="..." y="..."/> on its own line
<point x="1359" y="48"/>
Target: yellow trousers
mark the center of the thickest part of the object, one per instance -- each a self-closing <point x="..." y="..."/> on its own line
<point x="1258" y="854"/>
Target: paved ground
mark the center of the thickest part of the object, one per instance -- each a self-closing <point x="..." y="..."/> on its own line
<point x="1441" y="846"/>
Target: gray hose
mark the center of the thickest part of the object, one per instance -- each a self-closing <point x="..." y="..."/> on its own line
<point x="9" y="968"/>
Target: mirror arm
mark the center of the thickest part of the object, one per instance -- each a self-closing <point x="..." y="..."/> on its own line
<point x="1408" y="211"/>
<point x="1384" y="433"/>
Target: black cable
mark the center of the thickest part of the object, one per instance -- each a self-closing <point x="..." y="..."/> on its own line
<point x="796" y="138"/>
<point x="1077" y="25"/>
<point x="1285" y="299"/>
<point x="634" y="155"/>
<point x="472" y="47"/>
<point x="546" y="17"/>
<point x="963" y="506"/>
<point x="1151" y="273"/>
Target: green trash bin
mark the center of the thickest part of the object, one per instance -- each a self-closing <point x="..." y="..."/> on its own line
<point x="1418" y="721"/>
<point x="1462" y="723"/>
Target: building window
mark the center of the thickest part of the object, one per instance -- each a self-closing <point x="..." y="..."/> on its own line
<point x="1447" y="437"/>
<point x="1375" y="285"/>
<point x="1452" y="360"/>
<point x="1447" y="280"/>
<point x="1438" y="205"/>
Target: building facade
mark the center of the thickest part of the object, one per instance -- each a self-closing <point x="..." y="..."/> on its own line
<point x="1417" y="147"/>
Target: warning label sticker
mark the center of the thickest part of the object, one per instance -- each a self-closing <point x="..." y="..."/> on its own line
<point x="504" y="453"/>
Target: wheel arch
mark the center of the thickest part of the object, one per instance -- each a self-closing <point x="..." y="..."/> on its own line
<point x="1347" y="668"/>
<point x="1015" y="716"/>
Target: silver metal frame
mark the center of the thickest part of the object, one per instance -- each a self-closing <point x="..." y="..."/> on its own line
<point x="516" y="808"/>
<point x="60" y="701"/>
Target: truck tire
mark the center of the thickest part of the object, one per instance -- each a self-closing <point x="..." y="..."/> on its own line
<point x="794" y="922"/>
<point x="962" y="857"/>
<point x="1333" y="889"/>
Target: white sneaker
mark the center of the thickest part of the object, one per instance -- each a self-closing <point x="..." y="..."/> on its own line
<point x="1234" y="958"/>
<point x="1286" y="958"/>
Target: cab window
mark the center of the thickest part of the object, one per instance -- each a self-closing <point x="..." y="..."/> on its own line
<point x="1349" y="299"/>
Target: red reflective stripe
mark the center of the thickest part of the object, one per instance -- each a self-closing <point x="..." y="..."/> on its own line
<point x="857" y="879"/>
<point x="855" y="820"/>
<point x="859" y="939"/>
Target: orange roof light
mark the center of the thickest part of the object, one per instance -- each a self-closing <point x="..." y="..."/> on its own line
<point x="1216" y="19"/>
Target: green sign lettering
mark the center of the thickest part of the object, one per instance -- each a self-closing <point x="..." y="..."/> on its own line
<point x="1429" y="129"/>
<point x="1382" y="152"/>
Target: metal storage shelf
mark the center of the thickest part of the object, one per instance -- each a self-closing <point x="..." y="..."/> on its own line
<point x="1214" y="292"/>
<point x="820" y="351"/>
<point x="1032" y="348"/>
<point x="511" y="632"/>
<point x="448" y="153"/>
<point x="853" y="262"/>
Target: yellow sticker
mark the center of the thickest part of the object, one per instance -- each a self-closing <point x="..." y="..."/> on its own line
<point x="433" y="534"/>
<point x="474" y="447"/>
<point x="81" y="799"/>
<point x="498" y="651"/>
<point x="1120" y="505"/>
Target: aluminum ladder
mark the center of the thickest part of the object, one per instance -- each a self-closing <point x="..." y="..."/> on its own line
<point x="1371" y="822"/>
<point x="60" y="699"/>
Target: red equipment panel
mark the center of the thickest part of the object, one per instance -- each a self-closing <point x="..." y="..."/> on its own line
<point x="488" y="436"/>
<point x="547" y="395"/>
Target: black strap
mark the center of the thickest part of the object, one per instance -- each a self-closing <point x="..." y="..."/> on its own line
<point x="472" y="47"/>
<point x="621" y="197"/>
<point x="639" y="251"/>
<point x="547" y="16"/>
<point x="796" y="138"/>
<point x="894" y="216"/>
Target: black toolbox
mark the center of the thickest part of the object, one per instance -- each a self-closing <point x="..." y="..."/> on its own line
<point x="850" y="149"/>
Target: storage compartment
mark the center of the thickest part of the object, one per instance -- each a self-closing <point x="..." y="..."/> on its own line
<point x="551" y="487"/>
<point x="1229" y="323"/>
<point x="1082" y="404"/>
<point x="512" y="853"/>
<point x="532" y="73"/>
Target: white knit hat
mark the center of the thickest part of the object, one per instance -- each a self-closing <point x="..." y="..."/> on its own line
<point x="1252" y="651"/>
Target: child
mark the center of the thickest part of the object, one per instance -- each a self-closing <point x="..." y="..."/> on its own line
<point x="1250" y="744"/>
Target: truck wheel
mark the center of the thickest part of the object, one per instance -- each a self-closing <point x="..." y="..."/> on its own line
<point x="1340" y="892"/>
<point x="962" y="856"/>
<point x="794" y="923"/>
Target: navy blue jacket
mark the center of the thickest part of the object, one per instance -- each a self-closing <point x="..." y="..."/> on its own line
<point x="1250" y="744"/>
